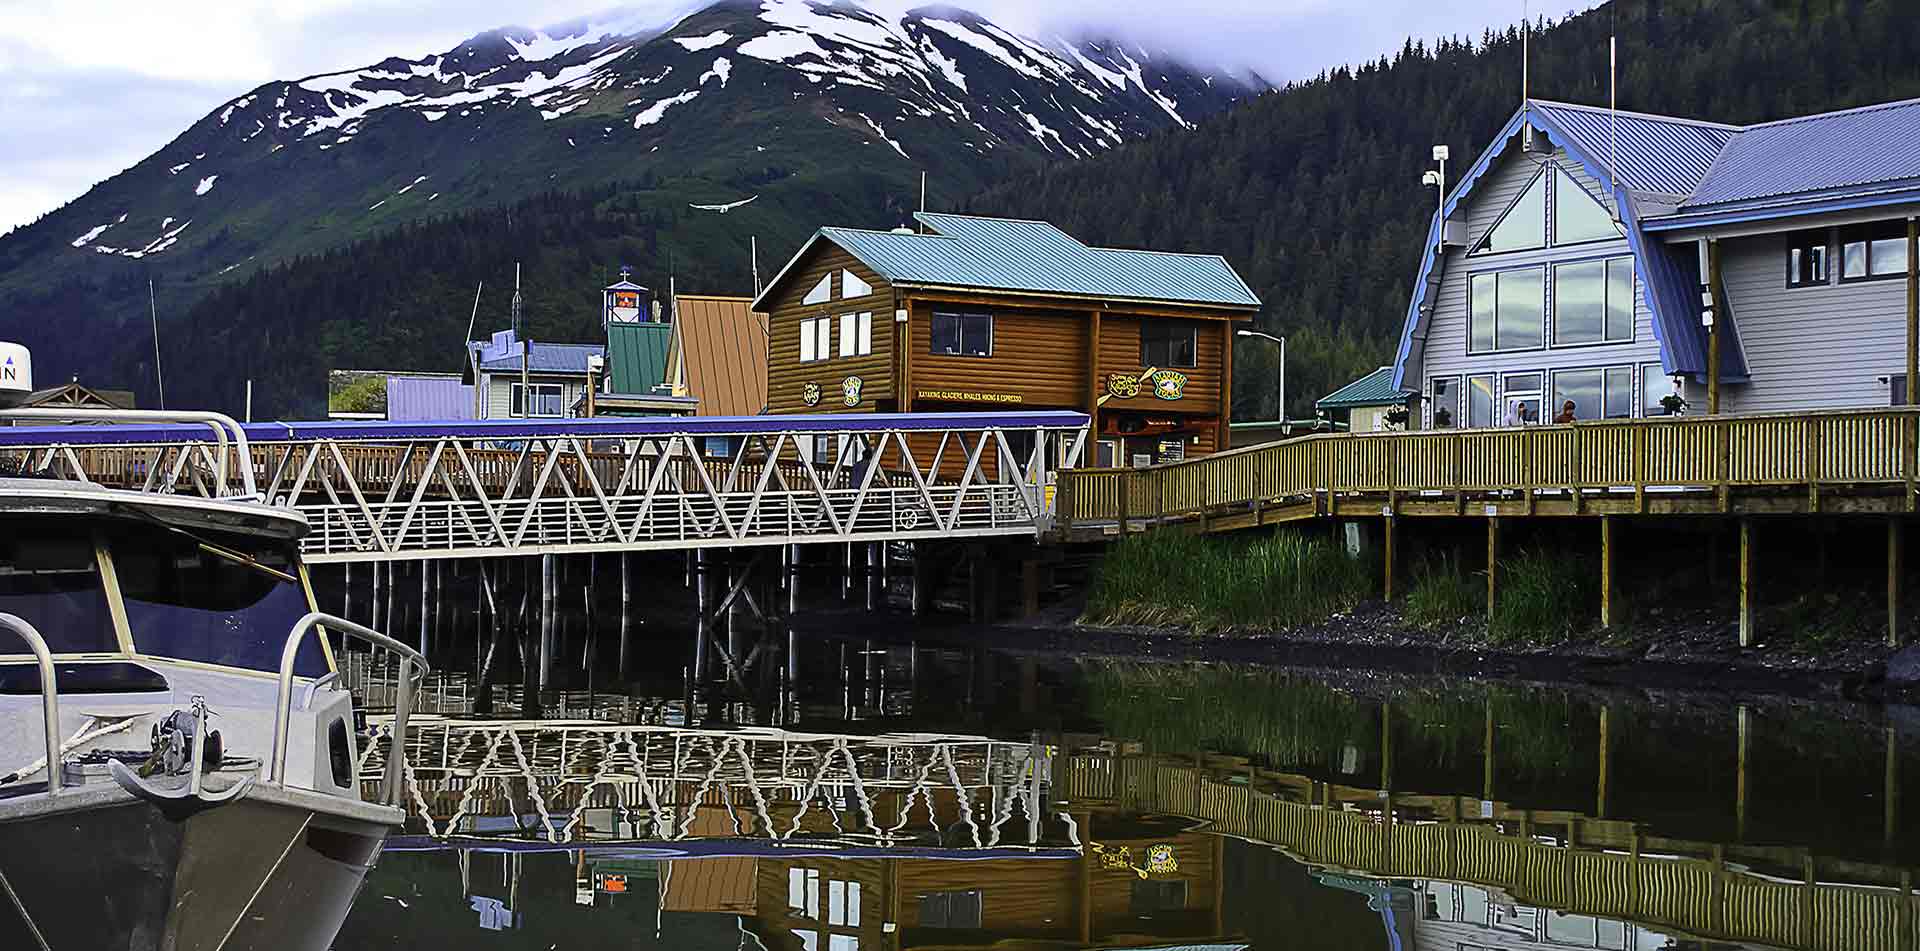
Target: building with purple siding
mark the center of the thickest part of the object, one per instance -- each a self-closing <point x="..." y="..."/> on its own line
<point x="428" y="396"/>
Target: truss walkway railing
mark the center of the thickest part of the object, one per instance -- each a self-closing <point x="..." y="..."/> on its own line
<point x="382" y="491"/>
<point x="1801" y="460"/>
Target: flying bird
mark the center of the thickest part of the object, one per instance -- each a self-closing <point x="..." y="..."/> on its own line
<point x="723" y="209"/>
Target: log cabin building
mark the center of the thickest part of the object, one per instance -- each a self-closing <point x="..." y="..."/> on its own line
<point x="974" y="314"/>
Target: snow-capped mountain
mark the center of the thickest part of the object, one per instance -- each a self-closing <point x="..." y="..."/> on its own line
<point x="818" y="110"/>
<point x="919" y="85"/>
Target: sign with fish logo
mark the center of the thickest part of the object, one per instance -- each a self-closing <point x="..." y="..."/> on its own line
<point x="810" y="393"/>
<point x="1169" y="384"/>
<point x="850" y="390"/>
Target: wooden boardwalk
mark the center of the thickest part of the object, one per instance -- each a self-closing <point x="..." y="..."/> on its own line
<point x="1848" y="461"/>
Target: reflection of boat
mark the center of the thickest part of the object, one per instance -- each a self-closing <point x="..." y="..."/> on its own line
<point x="203" y="789"/>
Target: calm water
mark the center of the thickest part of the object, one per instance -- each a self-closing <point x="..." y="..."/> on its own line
<point x="936" y="798"/>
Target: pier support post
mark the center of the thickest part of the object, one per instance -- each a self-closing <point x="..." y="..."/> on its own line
<point x="426" y="647"/>
<point x="346" y="605"/>
<point x="374" y="608"/>
<point x="1743" y="740"/>
<point x="548" y="568"/>
<point x="1746" y="582"/>
<point x="922" y="579"/>
<point x="1486" y="761"/>
<point x="1389" y="547"/>
<point x="1493" y="562"/>
<point x="1609" y="573"/>
<point x="701" y="596"/>
<point x="1029" y="587"/>
<point x="876" y="582"/>
<point x="1896" y="566"/>
<point x="626" y="611"/>
<point x="790" y="576"/>
<point x="1606" y="762"/>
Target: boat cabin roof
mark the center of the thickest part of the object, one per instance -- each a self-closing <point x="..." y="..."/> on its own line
<point x="51" y="497"/>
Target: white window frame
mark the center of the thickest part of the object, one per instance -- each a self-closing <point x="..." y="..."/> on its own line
<point x="816" y="339"/>
<point x="856" y="334"/>
<point x="515" y="397"/>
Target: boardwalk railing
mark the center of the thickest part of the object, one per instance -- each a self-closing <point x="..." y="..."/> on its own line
<point x="387" y="491"/>
<point x="1563" y="861"/>
<point x="1803" y="455"/>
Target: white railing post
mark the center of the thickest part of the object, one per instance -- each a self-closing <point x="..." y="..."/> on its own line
<point x="222" y="425"/>
<point x="283" y="705"/>
<point x="49" y="693"/>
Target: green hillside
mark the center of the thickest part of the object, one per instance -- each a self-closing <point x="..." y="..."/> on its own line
<point x="1314" y="191"/>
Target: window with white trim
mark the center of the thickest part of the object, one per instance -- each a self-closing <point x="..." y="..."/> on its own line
<point x="1595" y="392"/>
<point x="821" y="292"/>
<point x="1875" y="251"/>
<point x="816" y="338"/>
<point x="852" y="286"/>
<point x="1507" y="310"/>
<point x="549" y="399"/>
<point x="856" y="334"/>
<point x="1593" y="302"/>
<point x="1443" y="402"/>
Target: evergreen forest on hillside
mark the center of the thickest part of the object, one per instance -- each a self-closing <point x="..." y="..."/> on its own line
<point x="1313" y="192"/>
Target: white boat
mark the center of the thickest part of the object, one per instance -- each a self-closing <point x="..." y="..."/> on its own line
<point x="128" y="620"/>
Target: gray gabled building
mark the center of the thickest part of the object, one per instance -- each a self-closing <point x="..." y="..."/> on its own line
<point x="1570" y="264"/>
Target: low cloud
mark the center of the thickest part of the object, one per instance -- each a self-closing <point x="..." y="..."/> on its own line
<point x="89" y="89"/>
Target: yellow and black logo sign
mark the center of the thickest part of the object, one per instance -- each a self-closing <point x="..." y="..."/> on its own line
<point x="810" y="393"/>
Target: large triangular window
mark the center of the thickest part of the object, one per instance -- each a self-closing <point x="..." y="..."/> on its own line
<point x="821" y="293"/>
<point x="1577" y="216"/>
<point x="1524" y="226"/>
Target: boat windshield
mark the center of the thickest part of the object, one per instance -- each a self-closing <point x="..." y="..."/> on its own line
<point x="50" y="578"/>
<point x="212" y="597"/>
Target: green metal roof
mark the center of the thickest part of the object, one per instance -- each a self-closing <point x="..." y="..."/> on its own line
<point x="1374" y="389"/>
<point x="637" y="355"/>
<point x="1033" y="256"/>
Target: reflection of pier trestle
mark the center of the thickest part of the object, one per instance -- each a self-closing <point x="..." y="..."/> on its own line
<point x="1557" y="860"/>
<point x="580" y="782"/>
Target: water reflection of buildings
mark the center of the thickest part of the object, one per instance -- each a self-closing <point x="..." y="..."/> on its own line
<point x="843" y="843"/>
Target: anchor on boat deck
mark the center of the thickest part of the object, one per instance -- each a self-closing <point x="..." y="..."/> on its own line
<point x="174" y="776"/>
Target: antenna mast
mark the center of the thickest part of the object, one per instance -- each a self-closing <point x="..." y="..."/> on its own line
<point x="1613" y="112"/>
<point x="753" y="245"/>
<point x="153" y="311"/>
<point x="474" y="317"/>
<point x="1526" y="28"/>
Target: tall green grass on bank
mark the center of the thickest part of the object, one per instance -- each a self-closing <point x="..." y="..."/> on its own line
<point x="1286" y="579"/>
<point x="1542" y="597"/>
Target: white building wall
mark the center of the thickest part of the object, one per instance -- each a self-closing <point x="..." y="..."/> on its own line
<point x="1822" y="347"/>
<point x="1445" y="352"/>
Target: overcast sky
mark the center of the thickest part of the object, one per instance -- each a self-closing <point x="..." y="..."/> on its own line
<point x="89" y="87"/>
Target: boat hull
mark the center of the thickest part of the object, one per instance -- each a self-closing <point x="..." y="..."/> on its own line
<point x="256" y="873"/>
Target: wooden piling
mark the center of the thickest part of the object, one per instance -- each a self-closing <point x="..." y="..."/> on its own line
<point x="1029" y="587"/>
<point x="626" y="611"/>
<point x="1895" y="568"/>
<point x="1746" y="582"/>
<point x="1609" y="574"/>
<point x="374" y="616"/>
<point x="700" y="598"/>
<point x="549" y="569"/>
<point x="346" y="603"/>
<point x="1493" y="562"/>
<point x="922" y="579"/>
<point x="426" y="648"/>
<point x="1389" y="554"/>
<point x="1743" y="740"/>
<point x="1606" y="762"/>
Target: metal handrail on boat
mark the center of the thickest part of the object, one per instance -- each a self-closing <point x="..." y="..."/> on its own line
<point x="49" y="693"/>
<point x="222" y="425"/>
<point x="403" y="699"/>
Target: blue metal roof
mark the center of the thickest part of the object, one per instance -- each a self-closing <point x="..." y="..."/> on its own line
<point x="1665" y="156"/>
<point x="599" y="427"/>
<point x="1648" y="153"/>
<point x="1374" y="389"/>
<point x="1872" y="147"/>
<point x="1033" y="256"/>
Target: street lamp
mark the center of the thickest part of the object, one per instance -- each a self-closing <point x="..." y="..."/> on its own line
<point x="1280" y="378"/>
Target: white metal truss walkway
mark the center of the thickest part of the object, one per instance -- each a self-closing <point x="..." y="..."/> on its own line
<point x="387" y="491"/>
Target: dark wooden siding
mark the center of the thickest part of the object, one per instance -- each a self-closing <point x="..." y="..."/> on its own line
<point x="786" y="375"/>
<point x="1120" y="353"/>
<point x="1040" y="356"/>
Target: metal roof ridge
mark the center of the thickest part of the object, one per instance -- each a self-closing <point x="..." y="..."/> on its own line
<point x="1870" y="107"/>
<point x="1629" y="113"/>
<point x="830" y="230"/>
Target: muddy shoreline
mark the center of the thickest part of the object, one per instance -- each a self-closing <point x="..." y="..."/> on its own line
<point x="1697" y="653"/>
